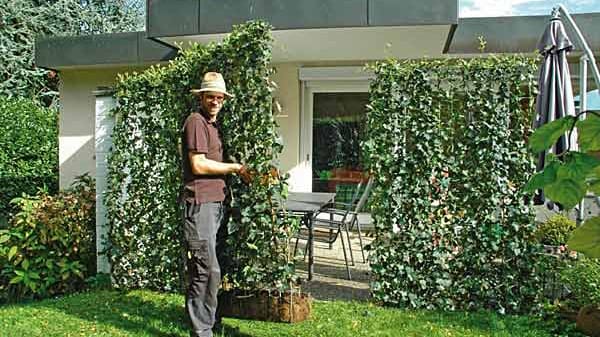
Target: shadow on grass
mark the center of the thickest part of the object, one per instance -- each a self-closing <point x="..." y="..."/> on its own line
<point x="136" y="312"/>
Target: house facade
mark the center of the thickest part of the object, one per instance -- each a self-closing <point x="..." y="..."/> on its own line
<point x="319" y="50"/>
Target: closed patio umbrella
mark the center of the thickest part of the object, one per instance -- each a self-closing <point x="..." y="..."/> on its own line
<point x="555" y="96"/>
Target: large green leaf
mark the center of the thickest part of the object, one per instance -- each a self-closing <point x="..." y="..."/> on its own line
<point x="548" y="134"/>
<point x="567" y="189"/>
<point x="543" y="178"/>
<point x="568" y="192"/>
<point x="565" y="182"/>
<point x="586" y="239"/>
<point x="580" y="165"/>
<point x="589" y="133"/>
<point x="594" y="181"/>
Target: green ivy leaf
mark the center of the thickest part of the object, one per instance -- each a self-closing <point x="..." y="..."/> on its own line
<point x="12" y="252"/>
<point x="16" y="279"/>
<point x="586" y="238"/>
<point x="544" y="137"/>
<point x="589" y="133"/>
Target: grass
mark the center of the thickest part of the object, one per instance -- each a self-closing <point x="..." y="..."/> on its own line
<point x="146" y="313"/>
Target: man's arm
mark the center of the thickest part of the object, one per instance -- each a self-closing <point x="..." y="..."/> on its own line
<point x="204" y="166"/>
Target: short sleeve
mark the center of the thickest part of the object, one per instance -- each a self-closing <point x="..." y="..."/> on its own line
<point x="196" y="135"/>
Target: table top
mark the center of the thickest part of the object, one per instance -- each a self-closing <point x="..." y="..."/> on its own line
<point x="307" y="201"/>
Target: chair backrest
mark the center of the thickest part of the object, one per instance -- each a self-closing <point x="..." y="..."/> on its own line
<point x="365" y="195"/>
<point x="355" y="196"/>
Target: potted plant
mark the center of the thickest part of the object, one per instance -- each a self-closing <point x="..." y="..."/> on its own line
<point x="554" y="233"/>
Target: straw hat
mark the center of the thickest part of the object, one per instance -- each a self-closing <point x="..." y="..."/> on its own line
<point x="212" y="81"/>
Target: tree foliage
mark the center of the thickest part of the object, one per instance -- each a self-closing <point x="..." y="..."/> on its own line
<point x="22" y="21"/>
<point x="145" y="167"/>
<point x="446" y="141"/>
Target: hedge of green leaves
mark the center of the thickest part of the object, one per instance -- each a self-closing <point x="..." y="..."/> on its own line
<point x="28" y="150"/>
<point x="145" y="166"/>
<point x="447" y="145"/>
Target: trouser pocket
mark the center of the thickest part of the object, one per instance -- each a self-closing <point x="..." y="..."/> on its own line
<point x="198" y="266"/>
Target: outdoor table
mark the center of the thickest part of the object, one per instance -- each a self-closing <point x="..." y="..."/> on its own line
<point x="307" y="204"/>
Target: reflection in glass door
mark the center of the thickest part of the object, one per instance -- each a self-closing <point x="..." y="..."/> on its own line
<point x="338" y="126"/>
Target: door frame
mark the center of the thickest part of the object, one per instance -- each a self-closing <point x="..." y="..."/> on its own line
<point x="322" y="80"/>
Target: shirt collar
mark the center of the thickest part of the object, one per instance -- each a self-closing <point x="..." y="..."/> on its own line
<point x="205" y="116"/>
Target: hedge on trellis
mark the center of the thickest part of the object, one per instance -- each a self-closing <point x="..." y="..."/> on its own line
<point x="447" y="143"/>
<point x="145" y="167"/>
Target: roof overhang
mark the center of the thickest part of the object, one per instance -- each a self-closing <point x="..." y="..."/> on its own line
<point x="516" y="34"/>
<point x="344" y="44"/>
<point x="314" y="30"/>
<point x="100" y="51"/>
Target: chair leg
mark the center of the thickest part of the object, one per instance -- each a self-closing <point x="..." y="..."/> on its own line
<point x="305" y="250"/>
<point x="349" y="245"/>
<point x="296" y="246"/>
<point x="362" y="250"/>
<point x="345" y="256"/>
<point x="330" y="239"/>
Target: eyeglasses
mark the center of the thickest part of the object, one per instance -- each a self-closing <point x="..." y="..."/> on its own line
<point x="214" y="98"/>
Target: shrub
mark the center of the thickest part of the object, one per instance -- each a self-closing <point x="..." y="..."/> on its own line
<point x="49" y="246"/>
<point x="556" y="230"/>
<point x="447" y="141"/>
<point x="28" y="150"/>
<point x="583" y="280"/>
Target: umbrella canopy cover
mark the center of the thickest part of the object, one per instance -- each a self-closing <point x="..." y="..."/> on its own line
<point x="555" y="95"/>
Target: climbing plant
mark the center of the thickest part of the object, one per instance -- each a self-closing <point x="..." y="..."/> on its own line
<point x="144" y="170"/>
<point x="446" y="141"/>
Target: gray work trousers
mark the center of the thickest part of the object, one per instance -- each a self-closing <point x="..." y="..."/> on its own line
<point x="201" y="224"/>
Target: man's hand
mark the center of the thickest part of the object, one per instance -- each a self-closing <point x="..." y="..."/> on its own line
<point x="245" y="174"/>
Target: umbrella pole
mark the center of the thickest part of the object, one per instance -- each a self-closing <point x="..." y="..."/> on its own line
<point x="583" y="62"/>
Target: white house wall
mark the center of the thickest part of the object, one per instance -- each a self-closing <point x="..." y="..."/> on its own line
<point x="288" y="96"/>
<point x="77" y="121"/>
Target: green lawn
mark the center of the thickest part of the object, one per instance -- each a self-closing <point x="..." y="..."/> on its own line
<point x="146" y="313"/>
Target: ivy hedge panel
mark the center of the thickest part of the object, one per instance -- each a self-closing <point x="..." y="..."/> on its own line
<point x="144" y="176"/>
<point x="446" y="141"/>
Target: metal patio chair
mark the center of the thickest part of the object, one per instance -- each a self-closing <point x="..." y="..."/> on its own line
<point x="335" y="219"/>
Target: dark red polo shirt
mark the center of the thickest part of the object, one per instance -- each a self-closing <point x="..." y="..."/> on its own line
<point x="202" y="136"/>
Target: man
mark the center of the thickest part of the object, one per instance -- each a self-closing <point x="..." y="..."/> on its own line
<point x="204" y="185"/>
